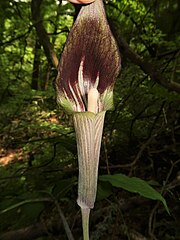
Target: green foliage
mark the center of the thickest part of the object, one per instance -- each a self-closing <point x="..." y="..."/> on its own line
<point x="134" y="185"/>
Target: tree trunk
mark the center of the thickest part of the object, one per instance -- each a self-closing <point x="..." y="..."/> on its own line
<point x="42" y="34"/>
<point x="45" y="80"/>
<point x="36" y="65"/>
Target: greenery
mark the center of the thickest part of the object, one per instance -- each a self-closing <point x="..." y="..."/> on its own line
<point x="140" y="150"/>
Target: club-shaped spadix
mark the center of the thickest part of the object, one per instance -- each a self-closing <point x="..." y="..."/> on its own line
<point x="87" y="70"/>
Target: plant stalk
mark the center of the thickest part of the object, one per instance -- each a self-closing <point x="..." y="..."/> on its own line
<point x="85" y="222"/>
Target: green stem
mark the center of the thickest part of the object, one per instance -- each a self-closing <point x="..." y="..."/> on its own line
<point x="85" y="222"/>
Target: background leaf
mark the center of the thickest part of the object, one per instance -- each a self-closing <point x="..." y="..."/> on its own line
<point x="134" y="185"/>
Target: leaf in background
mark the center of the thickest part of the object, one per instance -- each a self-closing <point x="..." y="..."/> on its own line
<point x="134" y="185"/>
<point x="63" y="187"/>
<point x="104" y="190"/>
<point x="29" y="213"/>
<point x="26" y="211"/>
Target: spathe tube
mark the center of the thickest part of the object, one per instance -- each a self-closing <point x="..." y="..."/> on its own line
<point x="88" y="128"/>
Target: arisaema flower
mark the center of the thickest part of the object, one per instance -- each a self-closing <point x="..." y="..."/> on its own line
<point x="87" y="70"/>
